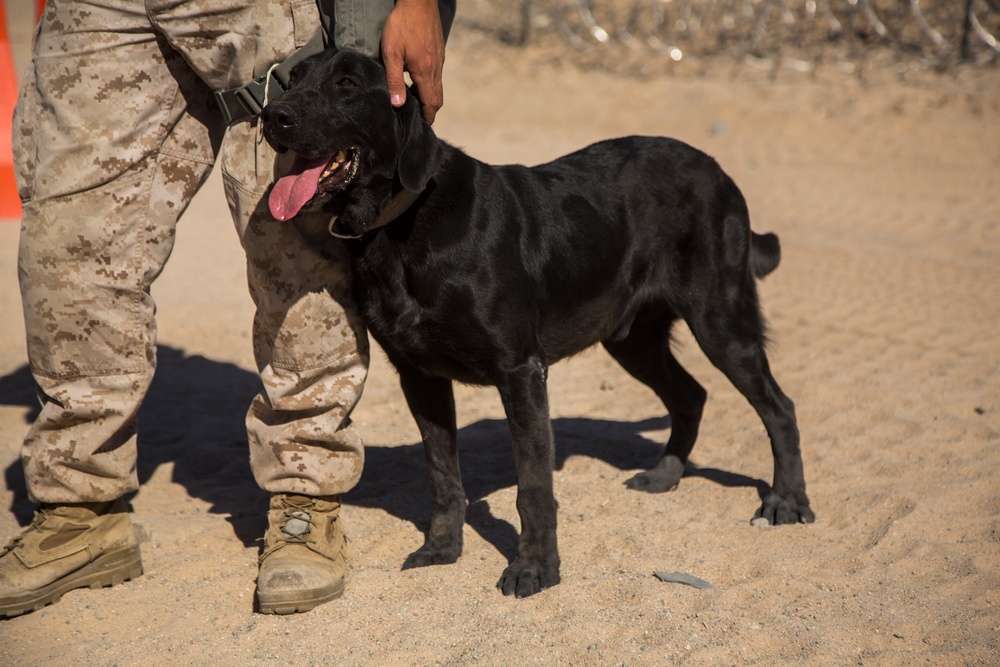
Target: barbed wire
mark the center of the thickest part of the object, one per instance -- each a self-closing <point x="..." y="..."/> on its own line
<point x="799" y="34"/>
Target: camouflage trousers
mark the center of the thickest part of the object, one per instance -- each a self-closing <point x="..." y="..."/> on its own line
<point x="115" y="130"/>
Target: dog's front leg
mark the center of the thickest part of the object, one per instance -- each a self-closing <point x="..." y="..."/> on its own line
<point x="432" y="402"/>
<point x="525" y="399"/>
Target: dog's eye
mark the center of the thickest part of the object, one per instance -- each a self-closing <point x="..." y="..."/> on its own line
<point x="346" y="83"/>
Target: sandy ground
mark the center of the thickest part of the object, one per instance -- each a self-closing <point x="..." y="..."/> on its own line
<point x="884" y="317"/>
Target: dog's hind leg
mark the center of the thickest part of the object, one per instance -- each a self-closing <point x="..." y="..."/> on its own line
<point x="645" y="353"/>
<point x="432" y="402"/>
<point x="525" y="400"/>
<point x="729" y="328"/>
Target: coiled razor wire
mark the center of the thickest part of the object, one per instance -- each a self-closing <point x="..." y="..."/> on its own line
<point x="803" y="35"/>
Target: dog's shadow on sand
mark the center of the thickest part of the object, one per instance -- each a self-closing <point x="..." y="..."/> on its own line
<point x="395" y="476"/>
<point x="193" y="417"/>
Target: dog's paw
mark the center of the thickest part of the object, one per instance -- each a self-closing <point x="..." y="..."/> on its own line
<point x="653" y="481"/>
<point x="523" y="579"/>
<point x="663" y="477"/>
<point x="425" y="556"/>
<point x="777" y="510"/>
<point x="649" y="483"/>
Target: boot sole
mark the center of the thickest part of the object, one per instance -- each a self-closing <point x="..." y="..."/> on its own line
<point x="300" y="601"/>
<point x="109" y="569"/>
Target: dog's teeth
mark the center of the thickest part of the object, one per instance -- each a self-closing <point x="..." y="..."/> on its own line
<point x="341" y="156"/>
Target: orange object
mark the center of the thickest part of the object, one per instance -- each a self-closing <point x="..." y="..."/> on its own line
<point x="39" y="8"/>
<point x="10" y="203"/>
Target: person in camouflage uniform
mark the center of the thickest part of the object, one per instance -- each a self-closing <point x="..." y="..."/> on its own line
<point x="115" y="130"/>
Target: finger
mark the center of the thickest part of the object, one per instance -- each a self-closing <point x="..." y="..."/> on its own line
<point x="431" y="100"/>
<point x="429" y="114"/>
<point x="429" y="90"/>
<point x="394" y="76"/>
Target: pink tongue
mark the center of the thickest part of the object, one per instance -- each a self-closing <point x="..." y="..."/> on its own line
<point x="291" y="192"/>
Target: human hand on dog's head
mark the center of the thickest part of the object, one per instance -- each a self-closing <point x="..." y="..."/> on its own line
<point x="413" y="41"/>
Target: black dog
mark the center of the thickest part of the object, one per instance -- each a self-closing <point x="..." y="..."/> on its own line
<point x="486" y="275"/>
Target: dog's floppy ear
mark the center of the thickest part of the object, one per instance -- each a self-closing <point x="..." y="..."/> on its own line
<point x="421" y="151"/>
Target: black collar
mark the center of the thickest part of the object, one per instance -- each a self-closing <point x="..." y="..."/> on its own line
<point x="398" y="205"/>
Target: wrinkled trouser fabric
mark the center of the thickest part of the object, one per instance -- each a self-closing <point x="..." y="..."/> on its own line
<point x="115" y="130"/>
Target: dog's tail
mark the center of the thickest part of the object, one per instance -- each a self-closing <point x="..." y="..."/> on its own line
<point x="765" y="254"/>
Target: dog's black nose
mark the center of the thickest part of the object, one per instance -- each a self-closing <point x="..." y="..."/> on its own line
<point x="278" y="115"/>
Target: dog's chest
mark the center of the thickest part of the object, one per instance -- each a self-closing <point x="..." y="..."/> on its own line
<point x="426" y="322"/>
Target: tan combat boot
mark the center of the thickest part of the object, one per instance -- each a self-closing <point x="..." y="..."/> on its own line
<point x="304" y="559"/>
<point x="67" y="547"/>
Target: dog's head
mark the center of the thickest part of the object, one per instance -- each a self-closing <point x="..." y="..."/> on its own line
<point x="351" y="148"/>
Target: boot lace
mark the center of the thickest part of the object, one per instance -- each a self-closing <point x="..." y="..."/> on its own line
<point x="295" y="525"/>
<point x="41" y="516"/>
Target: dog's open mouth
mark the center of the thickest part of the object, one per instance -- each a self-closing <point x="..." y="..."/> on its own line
<point x="308" y="178"/>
